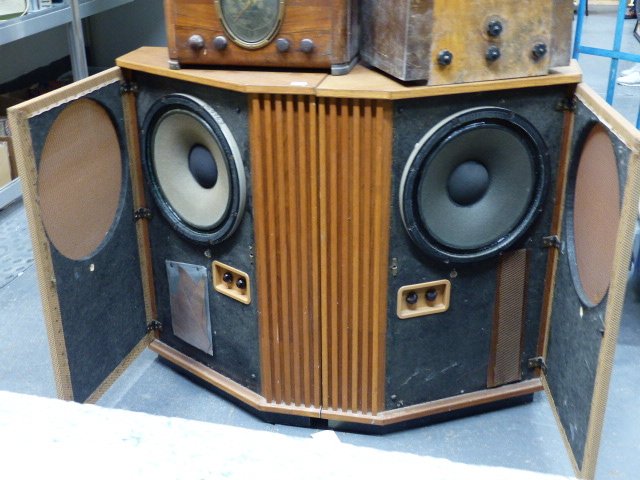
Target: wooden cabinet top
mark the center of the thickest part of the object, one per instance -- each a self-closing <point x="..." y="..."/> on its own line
<point x="361" y="82"/>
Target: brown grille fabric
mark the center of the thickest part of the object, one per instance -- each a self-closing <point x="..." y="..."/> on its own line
<point x="80" y="178"/>
<point x="596" y="213"/>
<point x="509" y="318"/>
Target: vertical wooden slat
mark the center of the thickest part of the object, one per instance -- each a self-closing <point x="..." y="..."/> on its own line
<point x="291" y="197"/>
<point x="257" y="118"/>
<point x="279" y="161"/>
<point x="381" y="212"/>
<point x="343" y="273"/>
<point x="303" y="374"/>
<point x="334" y="202"/>
<point x="323" y="177"/>
<point x="314" y="317"/>
<point x="354" y="267"/>
<point x="366" y="265"/>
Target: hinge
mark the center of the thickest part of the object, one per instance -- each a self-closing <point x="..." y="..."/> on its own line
<point x="154" y="325"/>
<point x="128" y="87"/>
<point x="567" y="104"/>
<point x="552" y="241"/>
<point x="538" y="362"/>
<point x="142" y="213"/>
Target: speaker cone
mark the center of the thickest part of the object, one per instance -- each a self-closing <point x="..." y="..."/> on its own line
<point x="474" y="184"/>
<point x="593" y="213"/>
<point x="194" y="168"/>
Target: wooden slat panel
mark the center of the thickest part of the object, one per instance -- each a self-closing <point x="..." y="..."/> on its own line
<point x="284" y="172"/>
<point x="356" y="173"/>
<point x="321" y="179"/>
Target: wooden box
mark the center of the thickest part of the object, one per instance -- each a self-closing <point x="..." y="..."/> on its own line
<point x="448" y="42"/>
<point x="318" y="34"/>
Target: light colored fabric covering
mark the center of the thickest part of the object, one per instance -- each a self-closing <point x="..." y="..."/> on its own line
<point x="47" y="438"/>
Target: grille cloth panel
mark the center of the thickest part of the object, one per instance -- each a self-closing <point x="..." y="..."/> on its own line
<point x="80" y="179"/>
<point x="508" y="326"/>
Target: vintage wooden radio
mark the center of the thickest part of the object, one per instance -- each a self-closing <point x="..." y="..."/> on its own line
<point x="335" y="248"/>
<point x="317" y="34"/>
<point x="443" y="41"/>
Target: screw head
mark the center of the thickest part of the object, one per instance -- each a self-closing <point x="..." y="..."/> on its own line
<point x="445" y="57"/>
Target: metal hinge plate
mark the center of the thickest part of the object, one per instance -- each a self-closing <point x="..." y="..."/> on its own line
<point x="538" y="362"/>
<point x="552" y="241"/>
<point x="154" y="325"/>
<point x="567" y="104"/>
<point x="142" y="213"/>
<point x="128" y="87"/>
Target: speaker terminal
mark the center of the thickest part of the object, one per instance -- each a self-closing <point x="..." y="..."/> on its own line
<point x="231" y="282"/>
<point x="424" y="299"/>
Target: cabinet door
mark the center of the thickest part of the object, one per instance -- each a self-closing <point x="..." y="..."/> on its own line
<point x="74" y="162"/>
<point x="597" y="228"/>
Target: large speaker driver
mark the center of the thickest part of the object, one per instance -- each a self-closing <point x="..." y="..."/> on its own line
<point x="194" y="168"/>
<point x="474" y="184"/>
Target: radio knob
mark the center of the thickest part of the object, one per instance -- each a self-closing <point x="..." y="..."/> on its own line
<point x="445" y="57"/>
<point x="494" y="29"/>
<point x="220" y="42"/>
<point x="307" y="45"/>
<point x="539" y="50"/>
<point x="493" y="53"/>
<point x="196" y="42"/>
<point x="283" y="45"/>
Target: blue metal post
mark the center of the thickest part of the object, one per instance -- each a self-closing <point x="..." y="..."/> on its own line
<point x="617" y="42"/>
<point x="577" y="41"/>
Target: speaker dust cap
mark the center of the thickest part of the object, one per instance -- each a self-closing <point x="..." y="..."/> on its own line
<point x="80" y="178"/>
<point x="474" y="184"/>
<point x="194" y="168"/>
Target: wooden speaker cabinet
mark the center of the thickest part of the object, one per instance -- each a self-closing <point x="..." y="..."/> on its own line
<point x="458" y="41"/>
<point x="316" y="34"/>
<point x="301" y="242"/>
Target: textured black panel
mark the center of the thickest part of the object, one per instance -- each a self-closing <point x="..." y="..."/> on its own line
<point x="235" y="327"/>
<point x="102" y="308"/>
<point x="446" y="354"/>
<point x="575" y="335"/>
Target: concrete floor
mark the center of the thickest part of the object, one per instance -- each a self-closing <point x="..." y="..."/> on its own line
<point x="523" y="437"/>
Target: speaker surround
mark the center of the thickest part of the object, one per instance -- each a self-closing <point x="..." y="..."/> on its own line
<point x="194" y="167"/>
<point x="474" y="184"/>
